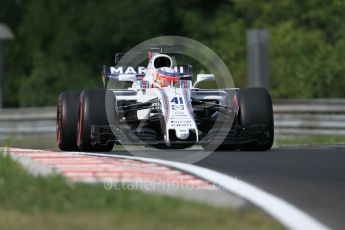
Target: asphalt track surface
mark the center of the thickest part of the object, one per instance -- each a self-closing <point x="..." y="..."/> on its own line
<point x="310" y="178"/>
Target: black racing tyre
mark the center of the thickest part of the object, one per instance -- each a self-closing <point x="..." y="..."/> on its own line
<point x="226" y="148"/>
<point x="93" y="111"/>
<point x="256" y="108"/>
<point x="67" y="120"/>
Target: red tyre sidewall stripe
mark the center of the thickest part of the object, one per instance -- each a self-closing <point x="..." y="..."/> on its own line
<point x="234" y="99"/>
<point x="59" y="121"/>
<point x="80" y="126"/>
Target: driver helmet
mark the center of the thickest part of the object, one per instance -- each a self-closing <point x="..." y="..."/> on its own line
<point x="165" y="76"/>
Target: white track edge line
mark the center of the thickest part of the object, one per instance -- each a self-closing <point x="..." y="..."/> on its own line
<point x="286" y="213"/>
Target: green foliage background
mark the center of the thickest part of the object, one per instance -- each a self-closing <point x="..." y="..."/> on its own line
<point x="62" y="44"/>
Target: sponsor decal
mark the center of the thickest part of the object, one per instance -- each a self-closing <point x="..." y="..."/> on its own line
<point x="128" y="70"/>
<point x="181" y="123"/>
<point x="177" y="107"/>
<point x="183" y="130"/>
<point x="139" y="69"/>
<point x="179" y="69"/>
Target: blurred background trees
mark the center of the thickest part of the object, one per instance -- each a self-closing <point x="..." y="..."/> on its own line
<point x="62" y="44"/>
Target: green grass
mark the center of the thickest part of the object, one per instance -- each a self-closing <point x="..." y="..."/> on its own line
<point x="29" y="202"/>
<point x="31" y="142"/>
<point x="310" y="140"/>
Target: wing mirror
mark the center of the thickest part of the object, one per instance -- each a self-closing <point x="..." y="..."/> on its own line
<point x="127" y="77"/>
<point x="203" y="77"/>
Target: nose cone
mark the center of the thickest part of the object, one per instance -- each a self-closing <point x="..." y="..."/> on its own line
<point x="182" y="134"/>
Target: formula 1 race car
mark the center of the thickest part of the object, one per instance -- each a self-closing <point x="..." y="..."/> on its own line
<point x="163" y="108"/>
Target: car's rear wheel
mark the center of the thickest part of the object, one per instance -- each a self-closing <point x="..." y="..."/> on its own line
<point x="256" y="108"/>
<point x="93" y="111"/>
<point x="67" y="120"/>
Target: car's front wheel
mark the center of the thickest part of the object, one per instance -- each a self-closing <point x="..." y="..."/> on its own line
<point x="92" y="111"/>
<point x="256" y="108"/>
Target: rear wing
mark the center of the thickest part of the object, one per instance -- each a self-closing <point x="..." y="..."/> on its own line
<point x="111" y="73"/>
